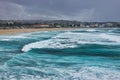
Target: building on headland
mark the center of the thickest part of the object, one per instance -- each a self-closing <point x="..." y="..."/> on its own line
<point x="40" y="26"/>
<point x="82" y="26"/>
<point x="109" y="24"/>
<point x="10" y="22"/>
<point x="58" y="26"/>
<point x="102" y="26"/>
<point x="94" y="25"/>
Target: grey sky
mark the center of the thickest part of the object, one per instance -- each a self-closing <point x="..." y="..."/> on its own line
<point x="82" y="10"/>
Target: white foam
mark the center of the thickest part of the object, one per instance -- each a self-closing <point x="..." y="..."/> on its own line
<point x="13" y="37"/>
<point x="82" y="73"/>
<point x="46" y="44"/>
<point x="5" y="39"/>
<point x="72" y="40"/>
<point x="90" y="73"/>
<point x="91" y="30"/>
<point x="111" y="37"/>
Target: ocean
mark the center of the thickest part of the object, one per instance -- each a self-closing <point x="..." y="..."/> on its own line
<point x="83" y="54"/>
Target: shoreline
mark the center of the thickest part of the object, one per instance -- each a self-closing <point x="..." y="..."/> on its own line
<point x="15" y="31"/>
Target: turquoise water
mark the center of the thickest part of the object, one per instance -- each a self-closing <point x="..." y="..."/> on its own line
<point x="85" y="54"/>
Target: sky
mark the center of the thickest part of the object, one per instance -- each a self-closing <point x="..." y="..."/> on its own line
<point x="80" y="10"/>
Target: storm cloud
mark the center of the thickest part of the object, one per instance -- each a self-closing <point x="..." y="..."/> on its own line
<point x="81" y="10"/>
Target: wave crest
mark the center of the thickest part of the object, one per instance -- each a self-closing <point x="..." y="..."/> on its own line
<point x="72" y="40"/>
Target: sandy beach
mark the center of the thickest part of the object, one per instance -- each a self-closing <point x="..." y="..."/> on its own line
<point x="14" y="31"/>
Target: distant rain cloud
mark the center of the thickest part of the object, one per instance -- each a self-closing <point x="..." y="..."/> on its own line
<point x="81" y="10"/>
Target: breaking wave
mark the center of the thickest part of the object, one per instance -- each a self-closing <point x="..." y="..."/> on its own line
<point x="72" y="40"/>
